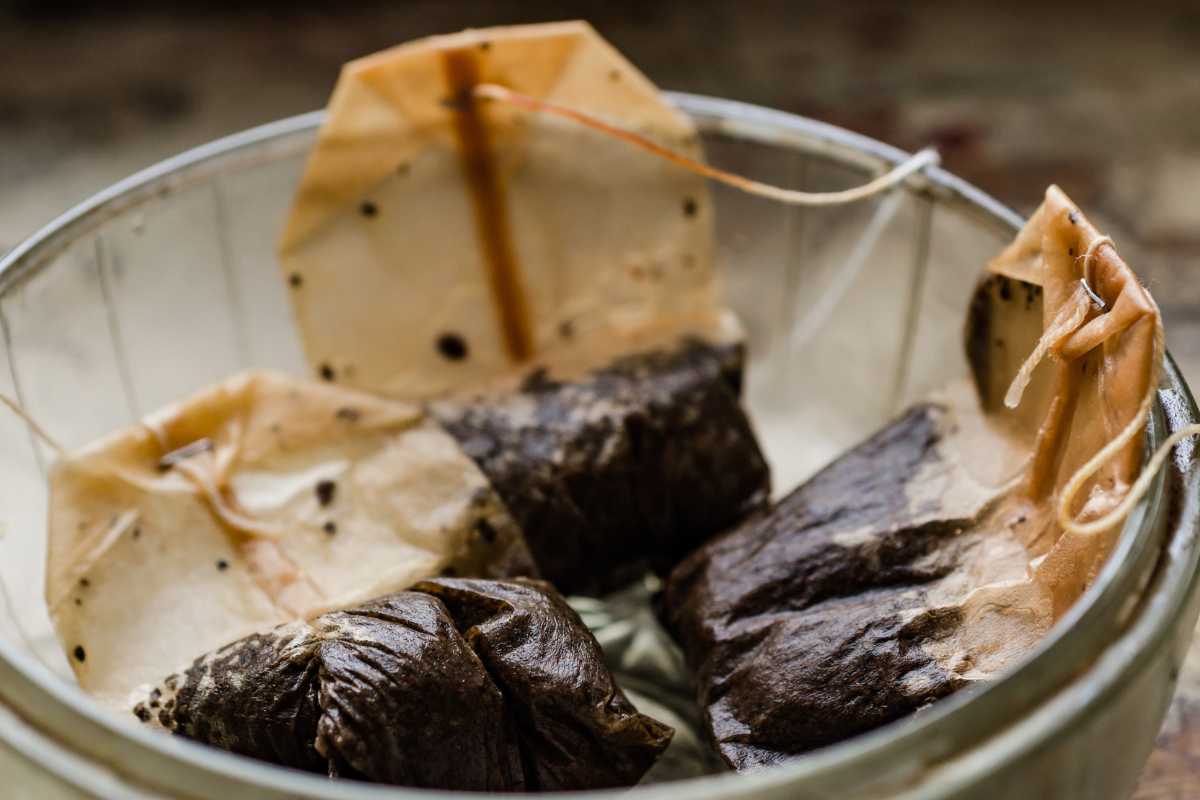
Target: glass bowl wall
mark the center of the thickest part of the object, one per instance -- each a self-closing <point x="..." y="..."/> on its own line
<point x="168" y="282"/>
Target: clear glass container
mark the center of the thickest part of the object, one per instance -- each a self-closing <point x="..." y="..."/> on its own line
<point x="168" y="281"/>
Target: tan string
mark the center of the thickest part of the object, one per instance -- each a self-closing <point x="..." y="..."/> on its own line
<point x="1139" y="488"/>
<point x="914" y="163"/>
<point x="1068" y="320"/>
<point x="1089" y="254"/>
<point x="205" y="481"/>
<point x="208" y="473"/>
<point x="38" y="430"/>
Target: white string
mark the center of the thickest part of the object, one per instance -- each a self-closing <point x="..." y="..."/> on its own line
<point x="795" y="197"/>
<point x="827" y="301"/>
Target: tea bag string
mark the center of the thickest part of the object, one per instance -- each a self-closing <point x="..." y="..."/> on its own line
<point x="32" y="424"/>
<point x="795" y="197"/>
<point x="1133" y="428"/>
<point x="1089" y="257"/>
<point x="1102" y="456"/>
<point x="1066" y="322"/>
<point x="205" y="481"/>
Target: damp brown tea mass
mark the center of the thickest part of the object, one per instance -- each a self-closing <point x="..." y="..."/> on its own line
<point x="634" y="464"/>
<point x="575" y="726"/>
<point x="498" y="688"/>
<point x="813" y="622"/>
<point x="340" y="694"/>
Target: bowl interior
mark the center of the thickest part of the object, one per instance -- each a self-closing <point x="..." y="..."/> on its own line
<point x="169" y="282"/>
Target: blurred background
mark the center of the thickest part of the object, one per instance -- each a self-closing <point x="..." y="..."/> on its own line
<point x="1103" y="99"/>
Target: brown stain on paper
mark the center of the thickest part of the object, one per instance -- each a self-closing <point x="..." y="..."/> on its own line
<point x="492" y="224"/>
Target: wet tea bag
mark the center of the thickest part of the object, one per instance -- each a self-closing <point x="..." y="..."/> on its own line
<point x="458" y="684"/>
<point x="275" y="498"/>
<point x="940" y="550"/>
<point x="621" y="468"/>
<point x="261" y="500"/>
<point x="438" y="240"/>
<point x="1104" y="334"/>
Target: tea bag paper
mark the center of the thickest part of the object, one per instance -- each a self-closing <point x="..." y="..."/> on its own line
<point x="259" y="501"/>
<point x="438" y="240"/>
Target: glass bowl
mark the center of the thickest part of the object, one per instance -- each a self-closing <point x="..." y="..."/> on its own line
<point x="168" y="281"/>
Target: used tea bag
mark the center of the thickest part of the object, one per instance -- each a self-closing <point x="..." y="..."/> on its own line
<point x="1105" y="335"/>
<point x="261" y="500"/>
<point x="628" y="466"/>
<point x="358" y="693"/>
<point x="576" y="728"/>
<point x="457" y="684"/>
<point x="940" y="550"/>
<point x="437" y="240"/>
<point x="275" y="499"/>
